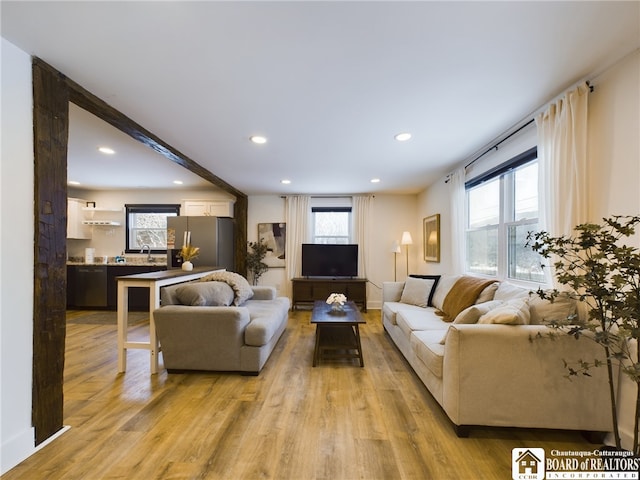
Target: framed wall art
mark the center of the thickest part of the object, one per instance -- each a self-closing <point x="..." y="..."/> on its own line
<point x="431" y="226"/>
<point x="275" y="236"/>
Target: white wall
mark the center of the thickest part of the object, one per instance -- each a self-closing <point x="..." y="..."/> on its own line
<point x="392" y="215"/>
<point x="16" y="263"/>
<point x="110" y="241"/>
<point x="614" y="141"/>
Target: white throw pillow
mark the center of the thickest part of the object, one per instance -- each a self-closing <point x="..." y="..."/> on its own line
<point x="416" y="291"/>
<point x="512" y="312"/>
<point x="544" y="311"/>
<point x="488" y="293"/>
<point x="508" y="291"/>
<point x="442" y="289"/>
<point x="473" y="313"/>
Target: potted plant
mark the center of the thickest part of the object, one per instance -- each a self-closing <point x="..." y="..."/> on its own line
<point x="601" y="271"/>
<point x="255" y="265"/>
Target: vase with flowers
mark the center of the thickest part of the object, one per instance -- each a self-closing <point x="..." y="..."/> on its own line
<point x="188" y="253"/>
<point x="337" y="301"/>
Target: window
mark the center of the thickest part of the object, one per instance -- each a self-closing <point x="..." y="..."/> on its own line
<point x="331" y="224"/>
<point x="147" y="225"/>
<point x="502" y="207"/>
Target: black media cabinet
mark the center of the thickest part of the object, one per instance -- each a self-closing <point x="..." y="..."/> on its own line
<point x="308" y="290"/>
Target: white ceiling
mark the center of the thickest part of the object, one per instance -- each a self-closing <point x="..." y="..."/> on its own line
<point x="329" y="83"/>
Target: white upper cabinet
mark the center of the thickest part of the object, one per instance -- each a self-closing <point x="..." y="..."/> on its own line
<point x="208" y="208"/>
<point x="75" y="217"/>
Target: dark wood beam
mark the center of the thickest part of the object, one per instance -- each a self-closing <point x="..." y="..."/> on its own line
<point x="50" y="130"/>
<point x="52" y="92"/>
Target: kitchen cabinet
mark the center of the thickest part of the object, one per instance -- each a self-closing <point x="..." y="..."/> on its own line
<point x="75" y="216"/>
<point x="95" y="286"/>
<point x="87" y="286"/>
<point x="208" y="208"/>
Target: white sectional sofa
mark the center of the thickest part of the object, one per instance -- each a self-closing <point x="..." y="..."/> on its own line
<point x="489" y="369"/>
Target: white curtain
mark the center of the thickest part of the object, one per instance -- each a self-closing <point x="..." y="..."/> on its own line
<point x="362" y="213"/>
<point x="297" y="212"/>
<point x="562" y="164"/>
<point x="458" y="230"/>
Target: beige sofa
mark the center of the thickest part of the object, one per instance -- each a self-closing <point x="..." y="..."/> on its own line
<point x="497" y="374"/>
<point x="214" y="336"/>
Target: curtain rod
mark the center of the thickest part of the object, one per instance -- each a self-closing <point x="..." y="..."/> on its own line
<point x="529" y="122"/>
<point x="495" y="147"/>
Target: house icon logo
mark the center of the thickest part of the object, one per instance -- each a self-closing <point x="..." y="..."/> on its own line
<point x="527" y="463"/>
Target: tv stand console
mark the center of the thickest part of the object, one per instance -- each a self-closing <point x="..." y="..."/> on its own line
<point x="307" y="290"/>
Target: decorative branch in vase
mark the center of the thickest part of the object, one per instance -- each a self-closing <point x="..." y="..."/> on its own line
<point x="188" y="253"/>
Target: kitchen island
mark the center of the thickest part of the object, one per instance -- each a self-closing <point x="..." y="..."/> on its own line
<point x="153" y="281"/>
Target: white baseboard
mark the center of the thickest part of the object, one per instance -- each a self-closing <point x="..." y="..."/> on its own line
<point x="21" y="447"/>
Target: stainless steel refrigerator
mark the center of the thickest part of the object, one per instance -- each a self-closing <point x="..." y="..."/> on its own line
<point x="213" y="235"/>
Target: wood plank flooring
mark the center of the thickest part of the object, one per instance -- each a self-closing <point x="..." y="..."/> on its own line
<point x="332" y="422"/>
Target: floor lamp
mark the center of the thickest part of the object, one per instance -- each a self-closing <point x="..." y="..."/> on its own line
<point x="406" y="240"/>
<point x="395" y="249"/>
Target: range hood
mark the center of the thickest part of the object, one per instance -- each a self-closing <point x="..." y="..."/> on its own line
<point x="100" y="222"/>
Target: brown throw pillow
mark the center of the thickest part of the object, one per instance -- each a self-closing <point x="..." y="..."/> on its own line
<point x="463" y="294"/>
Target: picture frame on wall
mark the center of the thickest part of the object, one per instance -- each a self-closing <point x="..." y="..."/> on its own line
<point x="431" y="227"/>
<point x="275" y="236"/>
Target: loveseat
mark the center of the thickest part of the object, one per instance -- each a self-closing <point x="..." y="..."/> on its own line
<point x="487" y="365"/>
<point x="219" y="323"/>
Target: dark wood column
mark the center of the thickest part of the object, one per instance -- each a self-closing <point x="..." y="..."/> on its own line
<point x="52" y="92"/>
<point x="50" y="128"/>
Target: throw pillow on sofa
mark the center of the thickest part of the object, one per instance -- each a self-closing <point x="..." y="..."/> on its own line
<point x="463" y="294"/>
<point x="417" y="291"/>
<point x="488" y="293"/>
<point x="472" y="314"/>
<point x="511" y="312"/>
<point x="214" y="294"/>
<point x="545" y="311"/>
<point x="238" y="283"/>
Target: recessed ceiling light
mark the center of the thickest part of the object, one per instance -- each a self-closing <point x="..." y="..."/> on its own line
<point x="375" y="180"/>
<point x="107" y="150"/>
<point x="259" y="139"/>
<point x="178" y="182"/>
<point x="73" y="182"/>
<point x="402" y="137"/>
<point x="285" y="181"/>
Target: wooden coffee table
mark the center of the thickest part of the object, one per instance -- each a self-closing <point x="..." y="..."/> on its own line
<point x="337" y="334"/>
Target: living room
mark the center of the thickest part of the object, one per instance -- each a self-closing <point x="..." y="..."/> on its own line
<point x="614" y="171"/>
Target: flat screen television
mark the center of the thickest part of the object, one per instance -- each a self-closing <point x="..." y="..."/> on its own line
<point x="329" y="260"/>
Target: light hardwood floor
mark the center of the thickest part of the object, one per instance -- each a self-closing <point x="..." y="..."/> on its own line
<point x="293" y="421"/>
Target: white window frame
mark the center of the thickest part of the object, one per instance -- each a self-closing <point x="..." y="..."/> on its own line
<point x="506" y="175"/>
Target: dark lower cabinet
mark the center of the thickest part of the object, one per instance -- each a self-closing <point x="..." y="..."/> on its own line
<point x="95" y="287"/>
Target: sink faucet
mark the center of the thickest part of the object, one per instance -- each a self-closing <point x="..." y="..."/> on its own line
<point x="149" y="259"/>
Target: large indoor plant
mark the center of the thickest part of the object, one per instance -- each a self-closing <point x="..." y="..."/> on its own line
<point x="255" y="256"/>
<point x="598" y="268"/>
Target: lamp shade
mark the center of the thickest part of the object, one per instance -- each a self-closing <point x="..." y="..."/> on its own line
<point x="395" y="248"/>
<point x="406" y="239"/>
